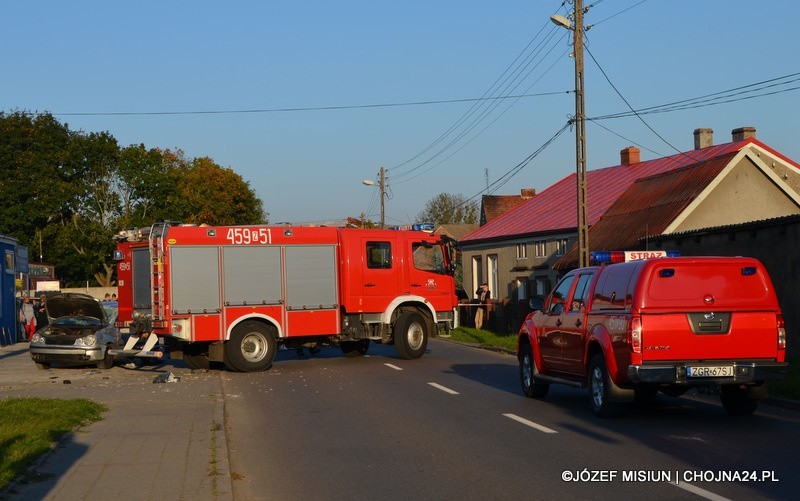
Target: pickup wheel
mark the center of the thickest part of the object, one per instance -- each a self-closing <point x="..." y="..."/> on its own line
<point x="599" y="384"/>
<point x="355" y="348"/>
<point x="251" y="348"/>
<point x="410" y="335"/>
<point x="527" y="372"/>
<point x="734" y="400"/>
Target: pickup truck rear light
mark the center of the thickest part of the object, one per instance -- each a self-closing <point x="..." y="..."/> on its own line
<point x="781" y="333"/>
<point x="635" y="334"/>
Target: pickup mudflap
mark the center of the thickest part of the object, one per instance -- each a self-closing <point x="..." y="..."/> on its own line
<point x="145" y="352"/>
<point x="706" y="373"/>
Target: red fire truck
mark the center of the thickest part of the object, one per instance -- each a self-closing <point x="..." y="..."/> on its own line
<point x="235" y="294"/>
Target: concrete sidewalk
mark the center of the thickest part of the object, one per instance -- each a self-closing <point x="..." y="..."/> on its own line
<point x="156" y="441"/>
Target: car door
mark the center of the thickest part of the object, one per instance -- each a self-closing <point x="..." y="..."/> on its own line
<point x="550" y="335"/>
<point x="573" y="327"/>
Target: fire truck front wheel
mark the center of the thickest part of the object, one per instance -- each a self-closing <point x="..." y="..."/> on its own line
<point x="410" y="335"/>
<point x="251" y="348"/>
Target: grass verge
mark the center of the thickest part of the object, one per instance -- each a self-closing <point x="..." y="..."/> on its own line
<point x="484" y="338"/>
<point x="30" y="426"/>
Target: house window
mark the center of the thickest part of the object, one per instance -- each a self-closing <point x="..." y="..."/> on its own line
<point x="491" y="272"/>
<point x="561" y="246"/>
<point x="520" y="287"/>
<point x="539" y="248"/>
<point x="522" y="251"/>
<point x="477" y="272"/>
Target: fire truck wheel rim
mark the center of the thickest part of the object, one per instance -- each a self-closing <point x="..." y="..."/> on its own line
<point x="415" y="335"/>
<point x="254" y="347"/>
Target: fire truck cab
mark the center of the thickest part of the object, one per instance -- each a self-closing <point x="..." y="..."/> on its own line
<point x="235" y="294"/>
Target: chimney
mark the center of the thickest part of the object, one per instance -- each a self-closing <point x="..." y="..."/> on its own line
<point x="629" y="155"/>
<point x="527" y="192"/>
<point x="703" y="138"/>
<point x="743" y="133"/>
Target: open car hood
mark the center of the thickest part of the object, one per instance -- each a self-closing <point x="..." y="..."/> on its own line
<point x="71" y="304"/>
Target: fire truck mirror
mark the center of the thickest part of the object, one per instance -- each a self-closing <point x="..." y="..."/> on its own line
<point x="118" y="255"/>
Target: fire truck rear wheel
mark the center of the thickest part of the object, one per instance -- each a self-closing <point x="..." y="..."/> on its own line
<point x="251" y="348"/>
<point x="197" y="360"/>
<point x="410" y="335"/>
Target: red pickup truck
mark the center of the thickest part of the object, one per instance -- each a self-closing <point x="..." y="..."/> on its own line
<point x="627" y="330"/>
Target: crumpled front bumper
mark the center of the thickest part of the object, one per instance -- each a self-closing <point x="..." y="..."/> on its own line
<point x="65" y="354"/>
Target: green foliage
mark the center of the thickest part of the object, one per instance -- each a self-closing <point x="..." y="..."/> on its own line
<point x="445" y="208"/>
<point x="72" y="191"/>
<point x="30" y="426"/>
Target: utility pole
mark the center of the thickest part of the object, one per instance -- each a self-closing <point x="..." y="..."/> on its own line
<point x="383" y="196"/>
<point x="576" y="25"/>
<point x="580" y="139"/>
<point x="382" y="186"/>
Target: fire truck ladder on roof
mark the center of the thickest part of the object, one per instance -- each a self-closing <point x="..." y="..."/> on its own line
<point x="157" y="265"/>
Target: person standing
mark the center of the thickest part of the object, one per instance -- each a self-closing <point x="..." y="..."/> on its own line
<point x="41" y="313"/>
<point x="482" y="294"/>
<point x="27" y="316"/>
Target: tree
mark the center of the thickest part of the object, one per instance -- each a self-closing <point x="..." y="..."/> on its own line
<point x="218" y="196"/>
<point x="445" y="208"/>
<point x="72" y="191"/>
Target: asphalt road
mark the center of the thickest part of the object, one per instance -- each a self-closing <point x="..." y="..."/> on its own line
<point x="454" y="425"/>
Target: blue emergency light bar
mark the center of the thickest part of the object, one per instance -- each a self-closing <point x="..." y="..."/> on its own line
<point x="608" y="257"/>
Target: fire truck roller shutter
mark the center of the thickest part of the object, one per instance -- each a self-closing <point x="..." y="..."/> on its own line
<point x="195" y="279"/>
<point x="252" y="275"/>
<point x="311" y="277"/>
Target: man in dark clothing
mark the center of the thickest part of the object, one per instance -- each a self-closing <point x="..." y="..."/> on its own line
<point x="482" y="295"/>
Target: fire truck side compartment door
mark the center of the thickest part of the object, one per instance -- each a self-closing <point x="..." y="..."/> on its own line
<point x="252" y="275"/>
<point x="311" y="290"/>
<point x="195" y="280"/>
<point x="142" y="279"/>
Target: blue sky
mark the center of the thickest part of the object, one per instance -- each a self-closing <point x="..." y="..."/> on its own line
<point x="84" y="61"/>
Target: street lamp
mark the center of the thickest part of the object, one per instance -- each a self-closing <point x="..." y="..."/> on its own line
<point x="382" y="186"/>
<point x="580" y="127"/>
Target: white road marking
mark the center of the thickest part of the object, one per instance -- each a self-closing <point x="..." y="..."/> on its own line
<point x="530" y="423"/>
<point x="393" y="367"/>
<point x="700" y="492"/>
<point x="444" y="388"/>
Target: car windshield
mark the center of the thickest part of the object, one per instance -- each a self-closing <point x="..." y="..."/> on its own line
<point x="110" y="308"/>
<point x="77" y="322"/>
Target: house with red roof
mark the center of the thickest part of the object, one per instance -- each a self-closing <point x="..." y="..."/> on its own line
<point x="521" y="252"/>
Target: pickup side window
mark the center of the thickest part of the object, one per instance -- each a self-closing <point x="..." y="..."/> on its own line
<point x="581" y="292"/>
<point x="612" y="291"/>
<point x="557" y="299"/>
<point x="379" y="255"/>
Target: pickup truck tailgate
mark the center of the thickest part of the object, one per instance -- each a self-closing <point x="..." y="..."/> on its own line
<point x="709" y="336"/>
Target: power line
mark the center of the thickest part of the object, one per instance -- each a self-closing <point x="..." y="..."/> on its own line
<point x="315" y="108"/>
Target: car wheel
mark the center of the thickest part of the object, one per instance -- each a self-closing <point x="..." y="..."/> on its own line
<point x="410" y="335"/>
<point x="108" y="359"/>
<point x="599" y="384"/>
<point x="734" y="400"/>
<point x="251" y="347"/>
<point x="42" y="366"/>
<point x="355" y="348"/>
<point x="527" y="375"/>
